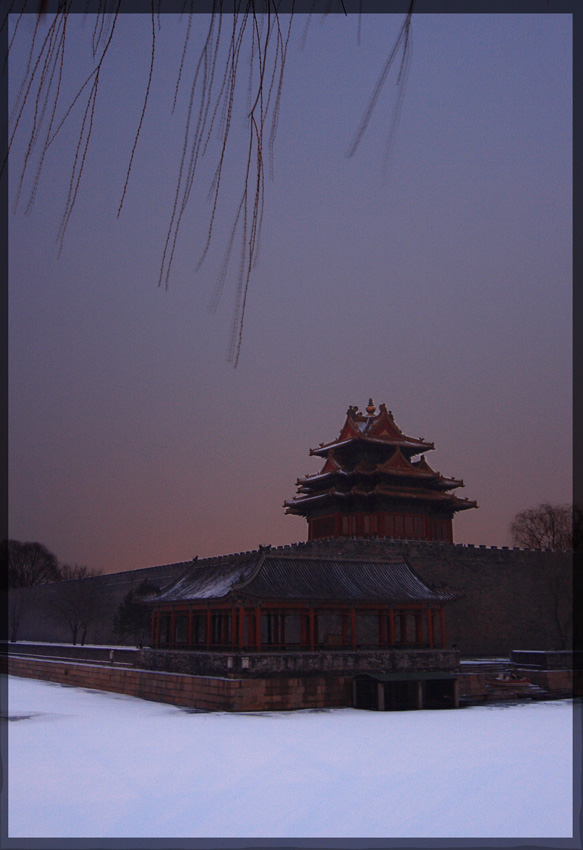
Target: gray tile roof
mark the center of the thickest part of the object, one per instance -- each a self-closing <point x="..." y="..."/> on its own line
<point x="209" y="581"/>
<point x="261" y="576"/>
<point x="341" y="580"/>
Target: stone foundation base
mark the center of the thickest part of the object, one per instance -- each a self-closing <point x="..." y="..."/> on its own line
<point x="203" y="692"/>
<point x="215" y="693"/>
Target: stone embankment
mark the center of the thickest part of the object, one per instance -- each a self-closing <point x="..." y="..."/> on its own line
<point x="480" y="680"/>
<point x="209" y="693"/>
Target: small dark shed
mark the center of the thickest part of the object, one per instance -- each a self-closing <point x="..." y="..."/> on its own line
<point x="402" y="691"/>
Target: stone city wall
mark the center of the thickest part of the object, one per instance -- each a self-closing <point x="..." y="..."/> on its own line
<point x="41" y="621"/>
<point x="507" y="597"/>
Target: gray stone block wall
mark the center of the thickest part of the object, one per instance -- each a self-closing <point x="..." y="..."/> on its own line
<point x="39" y="621"/>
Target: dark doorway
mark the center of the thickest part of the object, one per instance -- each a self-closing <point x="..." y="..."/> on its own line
<point x="405" y="691"/>
<point x="401" y="696"/>
<point x="439" y="693"/>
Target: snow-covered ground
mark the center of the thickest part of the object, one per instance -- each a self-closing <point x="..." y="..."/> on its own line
<point x="92" y="764"/>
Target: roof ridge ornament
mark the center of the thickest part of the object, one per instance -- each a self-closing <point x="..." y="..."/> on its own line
<point x="370" y="408"/>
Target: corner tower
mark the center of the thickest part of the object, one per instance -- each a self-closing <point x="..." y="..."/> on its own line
<point x="371" y="485"/>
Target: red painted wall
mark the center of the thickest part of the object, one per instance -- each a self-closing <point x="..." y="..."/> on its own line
<point x="399" y="526"/>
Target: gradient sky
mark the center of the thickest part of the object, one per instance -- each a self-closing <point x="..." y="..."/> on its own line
<point x="441" y="287"/>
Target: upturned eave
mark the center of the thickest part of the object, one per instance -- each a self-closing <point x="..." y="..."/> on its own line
<point x="404" y="443"/>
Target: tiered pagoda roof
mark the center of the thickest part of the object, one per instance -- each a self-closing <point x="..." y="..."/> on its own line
<point x="370" y="467"/>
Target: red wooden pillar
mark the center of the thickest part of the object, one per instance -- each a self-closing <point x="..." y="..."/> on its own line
<point x="418" y="628"/>
<point x="442" y="618"/>
<point x="382" y="627"/>
<point x="207" y="637"/>
<point x="426" y="528"/>
<point x="430" y="627"/>
<point x="391" y="627"/>
<point x="404" y="635"/>
<point x="173" y="641"/>
<point x="312" y="630"/>
<point x="353" y="626"/>
<point x="258" y="627"/>
<point x="282" y="627"/>
<point x="241" y="627"/>
<point x="154" y="618"/>
<point x="225" y="629"/>
<point x="344" y="618"/>
<point x="189" y="628"/>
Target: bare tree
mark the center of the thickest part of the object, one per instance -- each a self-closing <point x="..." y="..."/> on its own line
<point x="25" y="565"/>
<point x="544" y="527"/>
<point x="77" y="600"/>
<point x="551" y="527"/>
<point x="255" y="33"/>
<point x="29" y="564"/>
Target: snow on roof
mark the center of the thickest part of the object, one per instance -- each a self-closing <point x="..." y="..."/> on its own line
<point x="209" y="581"/>
<point x="265" y="576"/>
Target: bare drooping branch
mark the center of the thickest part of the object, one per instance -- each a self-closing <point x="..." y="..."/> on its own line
<point x="253" y="30"/>
<point x="212" y="100"/>
<point x="144" y="106"/>
<point x="402" y="44"/>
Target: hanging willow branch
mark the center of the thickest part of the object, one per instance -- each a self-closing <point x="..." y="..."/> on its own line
<point x="214" y="93"/>
<point x="252" y="30"/>
<point x="402" y="44"/>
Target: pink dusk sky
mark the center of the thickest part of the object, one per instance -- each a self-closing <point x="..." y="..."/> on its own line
<point x="440" y="285"/>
